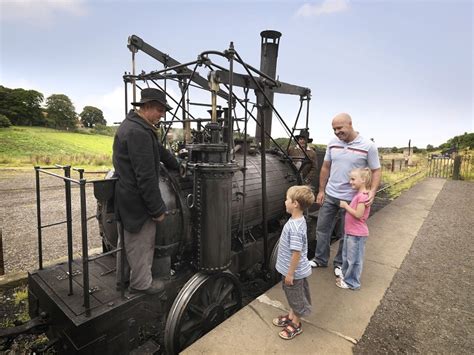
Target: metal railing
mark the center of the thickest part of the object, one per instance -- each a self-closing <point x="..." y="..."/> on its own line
<point x="68" y="181"/>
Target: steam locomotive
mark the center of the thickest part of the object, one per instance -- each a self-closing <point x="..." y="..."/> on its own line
<point x="225" y="213"/>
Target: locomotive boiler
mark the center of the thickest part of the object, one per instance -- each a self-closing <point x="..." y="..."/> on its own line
<point x="225" y="210"/>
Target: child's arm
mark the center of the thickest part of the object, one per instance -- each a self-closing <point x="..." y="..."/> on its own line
<point x="358" y="212"/>
<point x="295" y="259"/>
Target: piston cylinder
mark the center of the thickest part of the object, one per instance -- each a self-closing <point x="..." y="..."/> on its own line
<point x="213" y="208"/>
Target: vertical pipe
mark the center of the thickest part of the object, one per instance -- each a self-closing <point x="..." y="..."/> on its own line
<point x="134" y="88"/>
<point x="230" y="143"/>
<point x="268" y="61"/>
<point x="126" y="98"/>
<point x="67" y="185"/>
<point x="85" y="251"/>
<point x="244" y="170"/>
<point x="38" y="217"/>
<point x="307" y="112"/>
<point x="186" y="124"/>
<point x="264" y="189"/>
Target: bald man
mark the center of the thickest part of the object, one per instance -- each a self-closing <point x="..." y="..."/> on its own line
<point x="347" y="151"/>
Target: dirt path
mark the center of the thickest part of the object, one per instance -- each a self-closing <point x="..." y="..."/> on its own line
<point x="18" y="219"/>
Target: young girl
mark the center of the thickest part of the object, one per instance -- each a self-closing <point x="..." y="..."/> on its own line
<point x="355" y="230"/>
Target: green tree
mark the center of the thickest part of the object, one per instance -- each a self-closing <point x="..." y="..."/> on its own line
<point x="92" y="116"/>
<point x="4" y="121"/>
<point x="460" y="142"/>
<point x="22" y="107"/>
<point x="394" y="150"/>
<point x="429" y="148"/>
<point x="60" y="112"/>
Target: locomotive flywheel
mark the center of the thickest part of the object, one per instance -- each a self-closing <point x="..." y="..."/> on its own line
<point x="203" y="303"/>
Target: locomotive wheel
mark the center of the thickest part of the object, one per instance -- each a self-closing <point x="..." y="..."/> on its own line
<point x="203" y="303"/>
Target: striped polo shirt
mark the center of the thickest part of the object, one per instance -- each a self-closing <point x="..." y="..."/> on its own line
<point x="293" y="238"/>
<point x="360" y="153"/>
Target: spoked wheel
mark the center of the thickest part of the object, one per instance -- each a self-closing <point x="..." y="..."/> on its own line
<point x="203" y="303"/>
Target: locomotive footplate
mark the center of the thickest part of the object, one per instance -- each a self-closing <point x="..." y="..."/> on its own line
<point x="114" y="322"/>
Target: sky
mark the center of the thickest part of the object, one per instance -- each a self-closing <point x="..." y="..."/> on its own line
<point x="402" y="69"/>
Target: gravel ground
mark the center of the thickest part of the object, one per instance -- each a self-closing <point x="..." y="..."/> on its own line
<point x="18" y="219"/>
<point x="429" y="306"/>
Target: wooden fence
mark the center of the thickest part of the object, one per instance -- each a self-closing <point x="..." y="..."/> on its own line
<point x="457" y="168"/>
<point x="395" y="164"/>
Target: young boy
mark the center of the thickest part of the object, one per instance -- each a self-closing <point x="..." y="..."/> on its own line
<point x="292" y="262"/>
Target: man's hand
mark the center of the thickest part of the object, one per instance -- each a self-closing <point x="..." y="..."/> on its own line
<point x="159" y="218"/>
<point x="289" y="280"/>
<point x="370" y="198"/>
<point x="320" y="198"/>
<point x="343" y="204"/>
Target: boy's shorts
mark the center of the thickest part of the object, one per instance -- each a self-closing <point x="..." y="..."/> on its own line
<point x="298" y="296"/>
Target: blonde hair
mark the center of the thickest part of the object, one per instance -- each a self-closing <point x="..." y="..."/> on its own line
<point x="365" y="174"/>
<point x="301" y="194"/>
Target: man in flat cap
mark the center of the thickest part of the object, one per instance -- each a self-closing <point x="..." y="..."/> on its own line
<point x="307" y="162"/>
<point x="137" y="154"/>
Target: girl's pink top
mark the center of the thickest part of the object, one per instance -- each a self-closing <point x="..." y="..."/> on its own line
<point x="355" y="226"/>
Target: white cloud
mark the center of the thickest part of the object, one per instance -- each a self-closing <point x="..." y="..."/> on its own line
<point x="326" y="7"/>
<point x="40" y="12"/>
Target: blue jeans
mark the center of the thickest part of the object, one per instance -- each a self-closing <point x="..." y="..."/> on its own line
<point x="353" y="259"/>
<point x="325" y="226"/>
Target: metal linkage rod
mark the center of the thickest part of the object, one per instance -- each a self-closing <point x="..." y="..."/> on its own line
<point x="38" y="217"/>
<point x="58" y="176"/>
<point x="137" y="42"/>
<point x="267" y="101"/>
<point x="85" y="250"/>
<point x="181" y="99"/>
<point x="296" y="122"/>
<point x="67" y="186"/>
<point x="285" y="153"/>
<point x="131" y="78"/>
<point x="230" y="123"/>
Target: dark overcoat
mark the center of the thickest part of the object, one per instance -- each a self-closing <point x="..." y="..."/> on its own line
<point x="136" y="157"/>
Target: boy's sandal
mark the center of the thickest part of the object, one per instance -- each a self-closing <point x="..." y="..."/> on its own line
<point x="290" y="331"/>
<point x="282" y="321"/>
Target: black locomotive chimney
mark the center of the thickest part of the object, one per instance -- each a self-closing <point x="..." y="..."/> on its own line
<point x="268" y="63"/>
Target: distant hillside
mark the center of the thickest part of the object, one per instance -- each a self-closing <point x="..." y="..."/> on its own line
<point x="23" y="146"/>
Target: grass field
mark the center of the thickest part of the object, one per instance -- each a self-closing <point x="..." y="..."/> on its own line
<point x="27" y="146"/>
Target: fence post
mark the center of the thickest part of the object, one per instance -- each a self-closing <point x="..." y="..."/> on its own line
<point x="393" y="165"/>
<point x="457" y="168"/>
